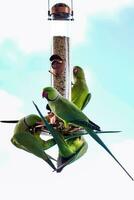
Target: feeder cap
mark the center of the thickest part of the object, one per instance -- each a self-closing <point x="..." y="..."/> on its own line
<point x="60" y="8"/>
<point x="55" y="57"/>
<point x="60" y="11"/>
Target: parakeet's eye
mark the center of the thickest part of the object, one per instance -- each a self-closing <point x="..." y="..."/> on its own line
<point x="44" y="94"/>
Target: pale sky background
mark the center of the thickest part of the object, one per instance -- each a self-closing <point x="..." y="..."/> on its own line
<point x="102" y="42"/>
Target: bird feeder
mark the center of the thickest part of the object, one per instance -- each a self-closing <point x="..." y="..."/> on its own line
<point x="60" y="16"/>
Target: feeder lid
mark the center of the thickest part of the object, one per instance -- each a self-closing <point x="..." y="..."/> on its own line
<point x="60" y="11"/>
<point x="55" y="57"/>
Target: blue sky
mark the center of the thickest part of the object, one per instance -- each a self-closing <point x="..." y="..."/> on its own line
<point x="103" y="45"/>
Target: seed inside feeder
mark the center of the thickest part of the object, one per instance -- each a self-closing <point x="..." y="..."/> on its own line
<point x="61" y="67"/>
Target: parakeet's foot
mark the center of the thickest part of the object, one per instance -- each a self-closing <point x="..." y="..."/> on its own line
<point x="52" y="73"/>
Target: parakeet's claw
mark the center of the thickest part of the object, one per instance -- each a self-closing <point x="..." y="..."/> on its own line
<point x="52" y="73"/>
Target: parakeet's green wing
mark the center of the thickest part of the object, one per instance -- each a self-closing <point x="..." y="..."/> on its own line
<point x="86" y="101"/>
<point x="68" y="112"/>
<point x="80" y="95"/>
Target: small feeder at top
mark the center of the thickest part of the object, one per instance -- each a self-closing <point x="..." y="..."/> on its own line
<point x="60" y="11"/>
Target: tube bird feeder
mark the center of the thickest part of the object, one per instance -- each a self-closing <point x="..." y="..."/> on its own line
<point x="60" y="15"/>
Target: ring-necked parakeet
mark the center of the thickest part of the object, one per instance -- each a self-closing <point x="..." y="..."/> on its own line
<point x="23" y="138"/>
<point x="80" y="95"/>
<point x="70" y="113"/>
<point x="71" y="147"/>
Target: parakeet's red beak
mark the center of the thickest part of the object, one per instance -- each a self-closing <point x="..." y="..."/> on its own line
<point x="44" y="94"/>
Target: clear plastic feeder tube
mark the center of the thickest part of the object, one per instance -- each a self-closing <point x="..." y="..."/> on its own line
<point x="60" y="23"/>
<point x="61" y="76"/>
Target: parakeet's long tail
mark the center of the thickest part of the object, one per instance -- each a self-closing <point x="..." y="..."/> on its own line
<point x="9" y="121"/>
<point x="96" y="137"/>
<point x="88" y="123"/>
<point x="46" y="158"/>
<point x="94" y="126"/>
<point x="88" y="128"/>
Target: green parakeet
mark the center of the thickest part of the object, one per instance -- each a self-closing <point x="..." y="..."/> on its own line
<point x="70" y="113"/>
<point x="80" y="95"/>
<point x="71" y="147"/>
<point x="23" y="138"/>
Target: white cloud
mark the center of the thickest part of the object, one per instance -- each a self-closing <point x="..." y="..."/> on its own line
<point x="10" y="106"/>
<point x="103" y="6"/>
<point x="10" y="109"/>
<point x="26" y="23"/>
